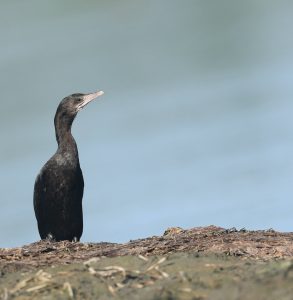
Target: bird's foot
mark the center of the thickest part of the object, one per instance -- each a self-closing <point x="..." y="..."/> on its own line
<point x="50" y="238"/>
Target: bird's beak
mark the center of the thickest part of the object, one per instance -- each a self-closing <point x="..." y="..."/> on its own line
<point x="89" y="97"/>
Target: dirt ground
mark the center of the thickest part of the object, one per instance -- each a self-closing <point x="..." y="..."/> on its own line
<point x="199" y="263"/>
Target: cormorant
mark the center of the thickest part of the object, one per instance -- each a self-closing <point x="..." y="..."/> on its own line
<point x="59" y="186"/>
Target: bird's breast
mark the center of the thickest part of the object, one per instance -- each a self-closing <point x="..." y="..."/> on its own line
<point x="66" y="159"/>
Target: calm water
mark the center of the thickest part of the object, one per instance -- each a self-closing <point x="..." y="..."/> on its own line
<point x="195" y="127"/>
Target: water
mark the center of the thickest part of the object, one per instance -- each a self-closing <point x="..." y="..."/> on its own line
<point x="195" y="126"/>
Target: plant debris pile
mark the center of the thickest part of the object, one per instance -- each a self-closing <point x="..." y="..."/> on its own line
<point x="262" y="245"/>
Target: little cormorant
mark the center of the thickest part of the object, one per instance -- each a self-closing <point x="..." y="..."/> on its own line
<point x="59" y="185"/>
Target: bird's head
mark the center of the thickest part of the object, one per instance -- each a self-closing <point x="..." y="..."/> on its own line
<point x="69" y="107"/>
<point x="72" y="104"/>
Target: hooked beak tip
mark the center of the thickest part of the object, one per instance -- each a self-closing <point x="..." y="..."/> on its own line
<point x="100" y="93"/>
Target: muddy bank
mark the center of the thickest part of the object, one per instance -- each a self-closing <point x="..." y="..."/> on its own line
<point x="200" y="263"/>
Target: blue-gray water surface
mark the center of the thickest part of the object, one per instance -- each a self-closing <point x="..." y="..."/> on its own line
<point x="195" y="127"/>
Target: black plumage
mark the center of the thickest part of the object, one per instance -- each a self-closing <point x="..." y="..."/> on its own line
<point x="59" y="186"/>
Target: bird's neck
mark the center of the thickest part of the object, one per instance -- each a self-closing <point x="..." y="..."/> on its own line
<point x="65" y="140"/>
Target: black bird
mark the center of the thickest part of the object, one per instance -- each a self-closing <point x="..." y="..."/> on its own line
<point x="59" y="185"/>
